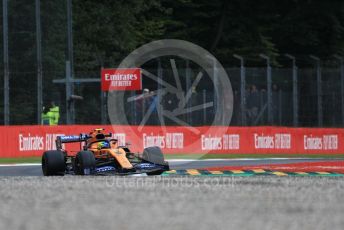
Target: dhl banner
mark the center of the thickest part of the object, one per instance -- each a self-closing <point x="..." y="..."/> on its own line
<point x="23" y="141"/>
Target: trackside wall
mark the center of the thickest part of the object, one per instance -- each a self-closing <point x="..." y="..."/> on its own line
<point x="24" y="141"/>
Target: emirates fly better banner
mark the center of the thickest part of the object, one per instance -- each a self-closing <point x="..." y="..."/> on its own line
<point x="121" y="79"/>
<point x="23" y="141"/>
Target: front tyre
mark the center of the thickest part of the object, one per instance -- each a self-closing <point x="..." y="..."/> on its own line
<point x="154" y="155"/>
<point x="85" y="163"/>
<point x="53" y="163"/>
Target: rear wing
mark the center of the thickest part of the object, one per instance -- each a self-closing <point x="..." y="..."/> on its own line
<point x="70" y="139"/>
<point x="78" y="138"/>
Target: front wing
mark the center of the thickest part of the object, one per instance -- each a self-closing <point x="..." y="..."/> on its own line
<point x="139" y="168"/>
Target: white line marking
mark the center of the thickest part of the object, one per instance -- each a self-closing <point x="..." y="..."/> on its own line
<point x="236" y="159"/>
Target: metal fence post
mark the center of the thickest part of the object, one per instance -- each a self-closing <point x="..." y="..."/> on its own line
<point x="342" y="87"/>
<point x="340" y="59"/>
<point x="159" y="95"/>
<point x="102" y="108"/>
<point x="242" y="89"/>
<point x="319" y="89"/>
<point x="215" y="88"/>
<point x="188" y="86"/>
<point x="269" y="92"/>
<point x="70" y="60"/>
<point x="39" y="62"/>
<point x="133" y="114"/>
<point x="68" y="94"/>
<point x="70" y="32"/>
<point x="280" y="107"/>
<point x="295" y="94"/>
<point x="204" y="97"/>
<point x="6" y="63"/>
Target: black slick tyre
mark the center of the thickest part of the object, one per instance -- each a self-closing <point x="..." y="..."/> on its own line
<point x="154" y="155"/>
<point x="85" y="163"/>
<point x="53" y="163"/>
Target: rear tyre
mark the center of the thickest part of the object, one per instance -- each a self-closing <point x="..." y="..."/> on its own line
<point x="85" y="163"/>
<point x="53" y="163"/>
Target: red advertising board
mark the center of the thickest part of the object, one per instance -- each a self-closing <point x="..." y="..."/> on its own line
<point x="121" y="79"/>
<point x="23" y="141"/>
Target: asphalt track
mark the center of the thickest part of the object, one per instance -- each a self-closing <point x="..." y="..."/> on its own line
<point x="202" y="203"/>
<point x="170" y="202"/>
<point x="35" y="170"/>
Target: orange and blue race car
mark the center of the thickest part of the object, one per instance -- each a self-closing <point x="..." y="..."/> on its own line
<point x="100" y="154"/>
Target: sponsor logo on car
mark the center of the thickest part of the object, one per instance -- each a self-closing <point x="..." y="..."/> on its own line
<point x="105" y="169"/>
<point x="146" y="166"/>
<point x="70" y="138"/>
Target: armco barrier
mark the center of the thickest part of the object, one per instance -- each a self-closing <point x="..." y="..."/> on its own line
<point x="23" y="141"/>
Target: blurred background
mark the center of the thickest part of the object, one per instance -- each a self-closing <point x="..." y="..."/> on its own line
<point x="283" y="58"/>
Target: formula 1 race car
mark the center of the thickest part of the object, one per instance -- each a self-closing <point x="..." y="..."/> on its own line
<point x="100" y="155"/>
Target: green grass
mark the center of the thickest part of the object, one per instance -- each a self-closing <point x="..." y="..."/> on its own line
<point x="195" y="156"/>
<point x="20" y="160"/>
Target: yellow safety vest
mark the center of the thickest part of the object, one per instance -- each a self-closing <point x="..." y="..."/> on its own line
<point x="56" y="115"/>
<point x="48" y="118"/>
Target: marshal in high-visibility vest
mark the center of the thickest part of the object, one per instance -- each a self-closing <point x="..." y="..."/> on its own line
<point x="51" y="115"/>
<point x="55" y="110"/>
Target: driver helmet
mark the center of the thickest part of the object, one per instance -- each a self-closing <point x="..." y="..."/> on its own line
<point x="103" y="145"/>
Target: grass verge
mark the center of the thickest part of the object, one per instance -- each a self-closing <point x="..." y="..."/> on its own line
<point x="20" y="160"/>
